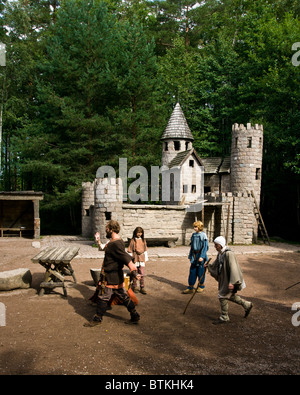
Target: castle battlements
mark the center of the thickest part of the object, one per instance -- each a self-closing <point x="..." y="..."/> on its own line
<point x="228" y="207"/>
<point x="241" y="127"/>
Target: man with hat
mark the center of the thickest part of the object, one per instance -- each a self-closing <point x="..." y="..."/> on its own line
<point x="226" y="270"/>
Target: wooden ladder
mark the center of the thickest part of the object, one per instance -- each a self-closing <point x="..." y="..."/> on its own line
<point x="260" y="222"/>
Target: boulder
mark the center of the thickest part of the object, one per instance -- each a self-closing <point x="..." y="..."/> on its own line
<point x="12" y="279"/>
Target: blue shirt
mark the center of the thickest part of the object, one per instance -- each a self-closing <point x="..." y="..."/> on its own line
<point x="199" y="248"/>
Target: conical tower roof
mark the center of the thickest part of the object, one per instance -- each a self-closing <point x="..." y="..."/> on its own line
<point x="177" y="127"/>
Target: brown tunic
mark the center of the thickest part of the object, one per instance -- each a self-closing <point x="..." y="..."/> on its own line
<point x="137" y="247"/>
<point x="115" y="259"/>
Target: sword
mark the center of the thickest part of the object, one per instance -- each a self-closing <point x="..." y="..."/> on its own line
<point x="195" y="290"/>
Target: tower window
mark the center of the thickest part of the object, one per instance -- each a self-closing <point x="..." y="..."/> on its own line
<point x="257" y="173"/>
<point x="249" y="144"/>
<point x="166" y="146"/>
<point x="107" y="216"/>
<point x="236" y="142"/>
<point x="177" y="145"/>
<point x="260" y="142"/>
<point x="193" y="188"/>
<point x="191" y="163"/>
<point x="186" y="145"/>
<point x="185" y="189"/>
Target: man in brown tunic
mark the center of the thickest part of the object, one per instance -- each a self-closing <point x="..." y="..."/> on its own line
<point x="115" y="259"/>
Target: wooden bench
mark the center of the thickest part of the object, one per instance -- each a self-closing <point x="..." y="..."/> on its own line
<point x="17" y="229"/>
<point x="57" y="262"/>
<point x="158" y="241"/>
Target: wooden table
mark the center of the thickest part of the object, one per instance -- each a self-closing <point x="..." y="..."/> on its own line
<point x="57" y="262"/>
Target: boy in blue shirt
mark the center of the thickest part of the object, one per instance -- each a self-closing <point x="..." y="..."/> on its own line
<point x="197" y="257"/>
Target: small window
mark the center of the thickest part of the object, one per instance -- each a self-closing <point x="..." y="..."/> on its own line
<point x="236" y="142"/>
<point x="186" y="145"/>
<point x="166" y="146"/>
<point x="249" y="144"/>
<point x="193" y="188"/>
<point x="260" y="142"/>
<point x="177" y="145"/>
<point x="87" y="212"/>
<point x="107" y="216"/>
<point x="185" y="188"/>
<point x="257" y="174"/>
<point x="191" y="163"/>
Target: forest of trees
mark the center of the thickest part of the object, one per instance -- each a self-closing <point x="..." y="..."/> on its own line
<point x="87" y="82"/>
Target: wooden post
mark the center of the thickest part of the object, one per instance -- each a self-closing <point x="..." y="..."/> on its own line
<point x="227" y="225"/>
<point x="37" y="229"/>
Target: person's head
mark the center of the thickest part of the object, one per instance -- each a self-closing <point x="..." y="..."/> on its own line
<point x="138" y="232"/>
<point x="112" y="226"/>
<point x="220" y="243"/>
<point x="198" y="226"/>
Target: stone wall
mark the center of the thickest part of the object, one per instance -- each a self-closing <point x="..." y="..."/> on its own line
<point x="232" y="211"/>
<point x="224" y="214"/>
<point x="246" y="159"/>
<point x="87" y="208"/>
<point x="244" y="227"/>
<point x="158" y="221"/>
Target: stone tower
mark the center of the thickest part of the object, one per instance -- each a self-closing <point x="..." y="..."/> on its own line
<point x="246" y="159"/>
<point x="177" y="136"/>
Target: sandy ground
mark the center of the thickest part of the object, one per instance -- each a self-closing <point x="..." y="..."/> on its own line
<point x="45" y="334"/>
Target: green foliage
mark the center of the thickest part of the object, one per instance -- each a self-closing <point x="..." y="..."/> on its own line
<point x="88" y="82"/>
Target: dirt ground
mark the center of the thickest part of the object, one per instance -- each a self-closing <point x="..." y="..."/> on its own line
<point x="45" y="334"/>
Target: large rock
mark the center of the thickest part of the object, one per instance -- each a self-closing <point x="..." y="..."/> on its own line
<point x="12" y="279"/>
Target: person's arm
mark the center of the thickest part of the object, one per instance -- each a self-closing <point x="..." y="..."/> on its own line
<point x="130" y="247"/>
<point x="213" y="269"/>
<point x="204" y="248"/>
<point x="235" y="276"/>
<point x="101" y="246"/>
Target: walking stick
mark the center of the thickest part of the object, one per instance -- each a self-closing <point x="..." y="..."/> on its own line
<point x="292" y="285"/>
<point x="195" y="290"/>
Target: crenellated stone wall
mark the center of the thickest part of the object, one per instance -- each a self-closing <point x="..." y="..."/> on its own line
<point x="246" y="159"/>
<point x="230" y="213"/>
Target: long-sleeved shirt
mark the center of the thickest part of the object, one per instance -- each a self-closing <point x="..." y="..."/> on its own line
<point x="199" y="247"/>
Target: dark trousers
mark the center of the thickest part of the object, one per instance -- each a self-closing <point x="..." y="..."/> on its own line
<point x="121" y="293"/>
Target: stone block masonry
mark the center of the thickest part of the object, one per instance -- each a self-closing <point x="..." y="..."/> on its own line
<point x="230" y="212"/>
<point x="158" y="221"/>
<point x="246" y="159"/>
<point x="224" y="213"/>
